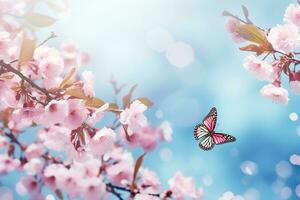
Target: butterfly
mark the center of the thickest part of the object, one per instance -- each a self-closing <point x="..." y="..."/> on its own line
<point x="206" y="134"/>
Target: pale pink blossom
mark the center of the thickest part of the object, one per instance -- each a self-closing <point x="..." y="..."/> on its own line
<point x="71" y="54"/>
<point x="4" y="41"/>
<point x="260" y="69"/>
<point x="3" y="142"/>
<point x="134" y="117"/>
<point x="93" y="188"/>
<point x="145" y="197"/>
<point x="150" y="180"/>
<point x="182" y="187"/>
<point x="274" y="93"/>
<point x="148" y="137"/>
<point x="77" y="114"/>
<point x="51" y="67"/>
<point x="102" y="142"/>
<point x="284" y="38"/>
<point x="231" y="26"/>
<point x="56" y="111"/>
<point x="89" y="83"/>
<point x="97" y="115"/>
<point x="44" y="52"/>
<point x="8" y="164"/>
<point x="51" y="83"/>
<point x="24" y="117"/>
<point x="34" y="166"/>
<point x="54" y="174"/>
<point x="33" y="151"/>
<point x="55" y="138"/>
<point x="292" y="15"/>
<point x="27" y="185"/>
<point x="121" y="173"/>
<point x="165" y="131"/>
<point x="88" y="168"/>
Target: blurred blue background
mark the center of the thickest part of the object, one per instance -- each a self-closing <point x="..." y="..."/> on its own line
<point x="122" y="38"/>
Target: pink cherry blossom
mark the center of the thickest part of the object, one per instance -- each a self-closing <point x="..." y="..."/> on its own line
<point x="43" y="52"/>
<point x="292" y="15"/>
<point x="97" y="115"/>
<point x="284" y="38"/>
<point x="231" y="26"/>
<point x="55" y="138"/>
<point x="182" y="187"/>
<point x="121" y="173"/>
<point x="34" y="166"/>
<point x="3" y="142"/>
<point x="28" y="185"/>
<point x="93" y="188"/>
<point x="134" y="117"/>
<point x="51" y="67"/>
<point x="56" y="111"/>
<point x="102" y="142"/>
<point x="71" y="54"/>
<point x="274" y="93"/>
<point x="89" y="83"/>
<point x="150" y="180"/>
<point x="8" y="164"/>
<point x="54" y="174"/>
<point x="77" y="114"/>
<point x="261" y="70"/>
<point x="51" y="83"/>
<point x="145" y="197"/>
<point x="33" y="151"/>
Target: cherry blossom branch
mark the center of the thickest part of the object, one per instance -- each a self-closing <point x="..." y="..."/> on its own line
<point x="9" y="68"/>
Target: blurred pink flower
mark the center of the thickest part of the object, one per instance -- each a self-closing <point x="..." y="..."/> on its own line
<point x="284" y="38"/>
<point x="34" y="166"/>
<point x="71" y="54"/>
<point x="150" y="180"/>
<point x="28" y="185"/>
<point x="97" y="115"/>
<point x="8" y="164"/>
<point x="102" y="142"/>
<point x="56" y="111"/>
<point x="89" y="83"/>
<point x="295" y="87"/>
<point x="165" y="131"/>
<point x="182" y="187"/>
<point x="134" y="117"/>
<point x="261" y="70"/>
<point x="274" y="93"/>
<point x="145" y="197"/>
<point x="33" y="151"/>
<point x="292" y="15"/>
<point x="121" y="173"/>
<point x="4" y="41"/>
<point x="231" y="27"/>
<point x="77" y="114"/>
<point x="51" y="67"/>
<point x="93" y="188"/>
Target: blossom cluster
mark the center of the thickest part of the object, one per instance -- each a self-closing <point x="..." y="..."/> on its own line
<point x="276" y="51"/>
<point x="42" y="90"/>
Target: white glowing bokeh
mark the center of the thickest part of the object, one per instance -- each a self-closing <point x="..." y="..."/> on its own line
<point x="283" y="169"/>
<point x="159" y="114"/>
<point x="285" y="192"/>
<point x="159" y="39"/>
<point x="180" y="54"/>
<point x="295" y="159"/>
<point x="249" y="168"/>
<point x="50" y="197"/>
<point x="6" y="193"/>
<point x="252" y="194"/>
<point x="277" y="186"/>
<point x="166" y="154"/>
<point x="297" y="190"/>
<point x="208" y="180"/>
<point x="293" y="116"/>
<point x="230" y="196"/>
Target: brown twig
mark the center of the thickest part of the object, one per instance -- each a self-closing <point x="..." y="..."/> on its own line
<point x="9" y="68"/>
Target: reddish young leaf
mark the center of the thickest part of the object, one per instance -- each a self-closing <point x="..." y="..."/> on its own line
<point x="137" y="166"/>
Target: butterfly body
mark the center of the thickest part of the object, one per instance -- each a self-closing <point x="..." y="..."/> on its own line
<point x="206" y="134"/>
